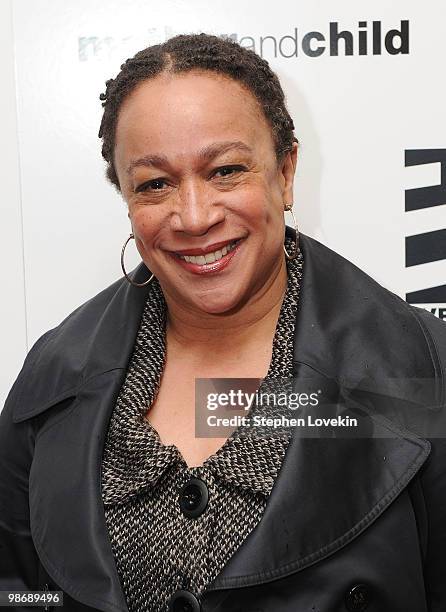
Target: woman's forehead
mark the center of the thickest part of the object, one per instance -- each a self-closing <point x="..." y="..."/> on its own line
<point x="186" y="96"/>
<point x="193" y="107"/>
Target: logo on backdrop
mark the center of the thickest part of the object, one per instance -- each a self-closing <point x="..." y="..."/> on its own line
<point x="366" y="38"/>
<point x="369" y="38"/>
<point x="429" y="246"/>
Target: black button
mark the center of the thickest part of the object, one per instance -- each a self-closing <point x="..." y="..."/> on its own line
<point x="194" y="497"/>
<point x="184" y="601"/>
<point x="358" y="598"/>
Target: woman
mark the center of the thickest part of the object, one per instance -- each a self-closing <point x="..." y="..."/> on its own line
<point x="105" y="492"/>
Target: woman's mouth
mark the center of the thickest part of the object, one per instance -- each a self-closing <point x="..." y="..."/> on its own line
<point x="209" y="262"/>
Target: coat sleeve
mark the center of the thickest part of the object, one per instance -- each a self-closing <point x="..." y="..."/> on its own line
<point x="433" y="479"/>
<point x="18" y="558"/>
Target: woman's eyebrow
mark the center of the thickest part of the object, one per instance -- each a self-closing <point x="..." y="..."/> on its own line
<point x="207" y="153"/>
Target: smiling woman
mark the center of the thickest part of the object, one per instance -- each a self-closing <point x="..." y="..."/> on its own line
<point x="207" y="180"/>
<point x="106" y="491"/>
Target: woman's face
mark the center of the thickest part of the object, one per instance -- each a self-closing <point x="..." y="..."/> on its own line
<point x="196" y="164"/>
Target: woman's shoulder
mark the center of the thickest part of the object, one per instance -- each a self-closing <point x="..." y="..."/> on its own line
<point x="95" y="337"/>
<point x="349" y="305"/>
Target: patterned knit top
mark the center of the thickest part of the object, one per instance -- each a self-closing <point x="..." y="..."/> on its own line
<point x="159" y="550"/>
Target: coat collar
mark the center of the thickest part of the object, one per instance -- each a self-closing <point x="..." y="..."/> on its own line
<point x="135" y="459"/>
<point x="338" y="337"/>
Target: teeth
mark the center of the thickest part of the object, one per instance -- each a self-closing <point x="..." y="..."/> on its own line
<point x="209" y="257"/>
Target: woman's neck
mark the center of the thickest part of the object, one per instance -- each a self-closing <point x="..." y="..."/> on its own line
<point x="209" y="334"/>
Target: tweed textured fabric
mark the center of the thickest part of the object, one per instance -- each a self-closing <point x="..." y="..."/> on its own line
<point x="158" y="550"/>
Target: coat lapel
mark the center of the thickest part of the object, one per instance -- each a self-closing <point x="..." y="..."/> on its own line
<point x="77" y="390"/>
<point x="330" y="489"/>
<point x="355" y="478"/>
<point x="66" y="511"/>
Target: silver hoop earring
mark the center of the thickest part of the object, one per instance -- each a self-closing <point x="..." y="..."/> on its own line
<point x="289" y="257"/>
<point x="123" y="268"/>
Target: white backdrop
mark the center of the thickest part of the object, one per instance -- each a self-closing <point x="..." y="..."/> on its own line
<point x="355" y="116"/>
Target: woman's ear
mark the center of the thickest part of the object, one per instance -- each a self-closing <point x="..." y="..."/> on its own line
<point x="287" y="171"/>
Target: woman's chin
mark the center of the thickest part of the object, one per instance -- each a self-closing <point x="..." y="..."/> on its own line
<point x="218" y="305"/>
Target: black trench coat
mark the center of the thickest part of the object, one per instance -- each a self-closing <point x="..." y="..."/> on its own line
<point x="351" y="524"/>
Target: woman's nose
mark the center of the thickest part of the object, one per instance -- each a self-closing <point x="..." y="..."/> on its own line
<point x="197" y="210"/>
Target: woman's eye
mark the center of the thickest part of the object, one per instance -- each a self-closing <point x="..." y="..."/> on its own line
<point x="153" y="185"/>
<point x="229" y="170"/>
<point x="159" y="184"/>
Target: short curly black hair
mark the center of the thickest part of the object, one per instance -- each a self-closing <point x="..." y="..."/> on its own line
<point x="197" y="51"/>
